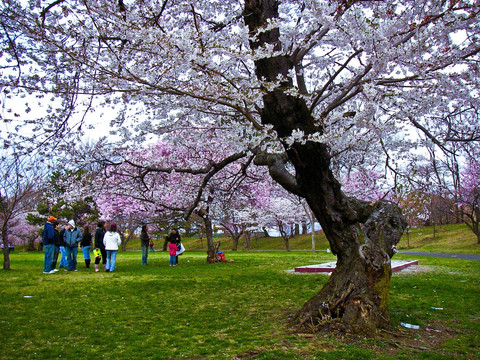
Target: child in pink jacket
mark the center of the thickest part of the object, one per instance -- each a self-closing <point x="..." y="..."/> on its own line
<point x="173" y="252"/>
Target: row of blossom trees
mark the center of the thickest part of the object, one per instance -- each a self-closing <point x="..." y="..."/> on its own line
<point x="175" y="177"/>
<point x="166" y="181"/>
<point x="254" y="203"/>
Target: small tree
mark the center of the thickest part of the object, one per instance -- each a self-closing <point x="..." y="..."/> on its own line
<point x="413" y="207"/>
<point x="19" y="192"/>
<point x="21" y="232"/>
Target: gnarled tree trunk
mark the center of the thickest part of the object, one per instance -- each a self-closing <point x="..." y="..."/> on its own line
<point x="361" y="234"/>
<point x="6" y="249"/>
<point x="211" y="250"/>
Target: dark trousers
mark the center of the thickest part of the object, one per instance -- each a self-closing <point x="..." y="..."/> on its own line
<point x="56" y="251"/>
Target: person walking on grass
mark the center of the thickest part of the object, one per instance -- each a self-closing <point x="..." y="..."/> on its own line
<point x="145" y="241"/>
<point x="112" y="241"/>
<point x="72" y="238"/>
<point x="99" y="246"/>
<point x="86" y="245"/>
<point x="172" y="247"/>
<point x="48" y="239"/>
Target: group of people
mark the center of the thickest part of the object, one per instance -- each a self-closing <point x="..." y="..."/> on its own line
<point x="65" y="241"/>
<point x="172" y="241"/>
<point x="106" y="242"/>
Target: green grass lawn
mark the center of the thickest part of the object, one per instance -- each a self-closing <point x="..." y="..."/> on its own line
<point x="223" y="311"/>
<point x="448" y="238"/>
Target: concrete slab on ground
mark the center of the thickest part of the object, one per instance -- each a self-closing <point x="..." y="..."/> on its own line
<point x="397" y="265"/>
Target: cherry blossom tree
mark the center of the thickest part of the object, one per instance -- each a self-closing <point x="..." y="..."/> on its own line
<point x="297" y="82"/>
<point x="22" y="233"/>
<point x="169" y="180"/>
<point x="469" y="196"/>
<point x="367" y="185"/>
<point x="436" y="180"/>
<point x="237" y="215"/>
<point x="19" y="194"/>
<point x="277" y="208"/>
<point x="287" y="212"/>
<point x="249" y="208"/>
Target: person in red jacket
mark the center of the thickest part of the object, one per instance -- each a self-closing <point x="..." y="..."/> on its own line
<point x="172" y="247"/>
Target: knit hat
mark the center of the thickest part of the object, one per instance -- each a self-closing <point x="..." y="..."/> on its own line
<point x="52" y="219"/>
<point x="71" y="222"/>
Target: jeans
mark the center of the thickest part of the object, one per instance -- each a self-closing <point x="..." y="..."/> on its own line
<point x="63" y="260"/>
<point x="86" y="252"/>
<point x="144" y="255"/>
<point x="56" y="251"/>
<point x="111" y="258"/>
<point x="49" y="249"/>
<point x="172" y="260"/>
<point x="72" y="257"/>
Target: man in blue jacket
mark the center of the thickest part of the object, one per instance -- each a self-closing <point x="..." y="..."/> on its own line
<point x="48" y="238"/>
<point x="72" y="236"/>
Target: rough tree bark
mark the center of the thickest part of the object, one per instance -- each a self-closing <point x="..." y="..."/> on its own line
<point x="211" y="251"/>
<point x="235" y="239"/>
<point x="361" y="234"/>
<point x="6" y="249"/>
<point x="246" y="238"/>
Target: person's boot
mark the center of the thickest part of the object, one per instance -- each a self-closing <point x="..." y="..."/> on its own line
<point x="87" y="263"/>
<point x="96" y="268"/>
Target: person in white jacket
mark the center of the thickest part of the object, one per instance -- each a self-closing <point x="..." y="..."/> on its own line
<point x="112" y="241"/>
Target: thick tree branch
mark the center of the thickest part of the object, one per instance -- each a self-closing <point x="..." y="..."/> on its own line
<point x="278" y="172"/>
<point x="47" y="9"/>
